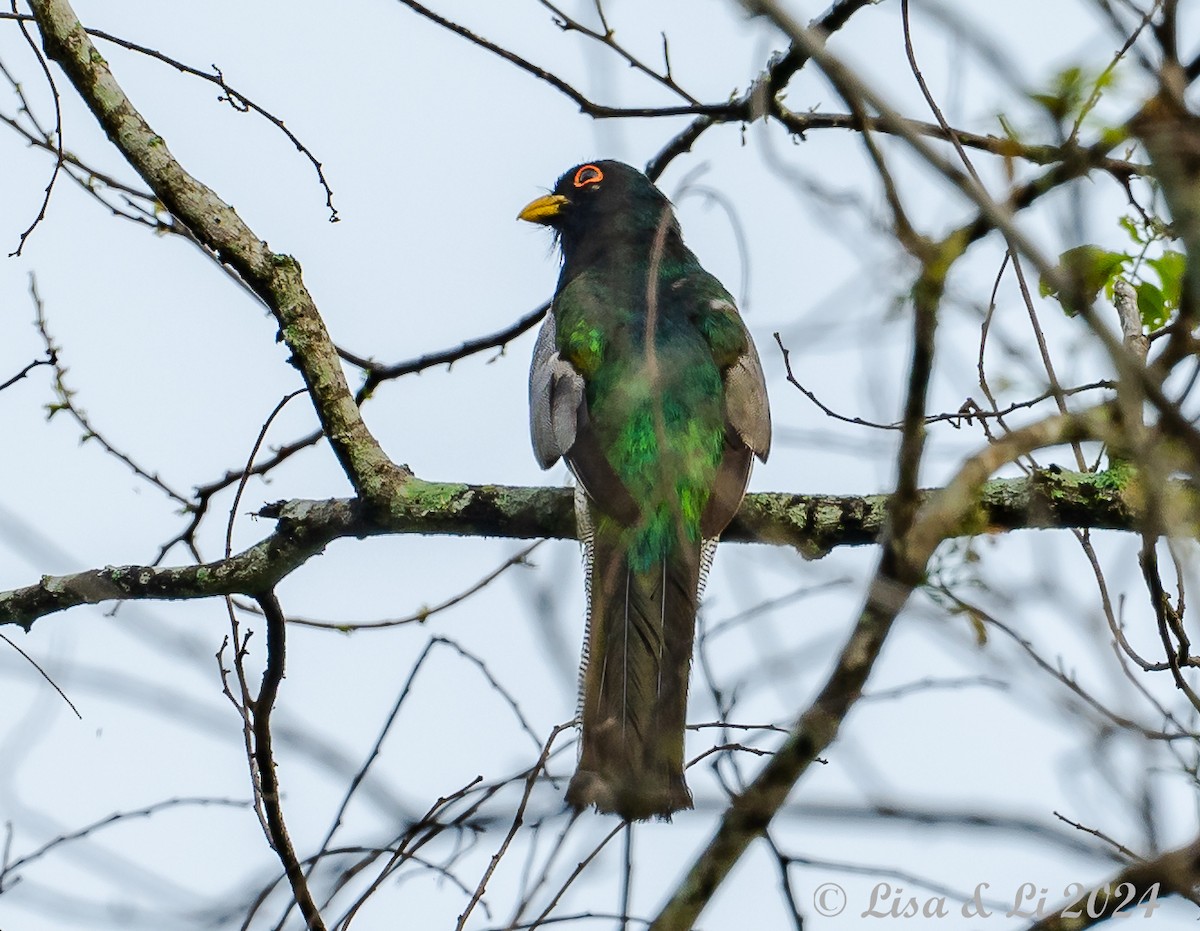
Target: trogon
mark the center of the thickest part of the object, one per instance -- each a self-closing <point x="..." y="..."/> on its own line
<point x="645" y="380"/>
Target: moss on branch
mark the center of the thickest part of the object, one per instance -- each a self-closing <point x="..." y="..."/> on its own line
<point x="813" y="524"/>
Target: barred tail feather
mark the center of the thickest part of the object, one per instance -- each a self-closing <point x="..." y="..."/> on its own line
<point x="633" y="701"/>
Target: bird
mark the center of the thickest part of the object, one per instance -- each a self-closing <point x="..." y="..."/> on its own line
<point x="645" y="380"/>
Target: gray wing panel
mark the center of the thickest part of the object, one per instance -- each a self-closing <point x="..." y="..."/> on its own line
<point x="555" y="396"/>
<point x="747" y="432"/>
<point x="746" y="406"/>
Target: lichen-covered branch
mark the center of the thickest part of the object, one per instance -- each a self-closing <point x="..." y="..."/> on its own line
<point x="813" y="524"/>
<point x="276" y="278"/>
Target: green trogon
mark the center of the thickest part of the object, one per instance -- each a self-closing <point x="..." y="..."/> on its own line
<point x="646" y="382"/>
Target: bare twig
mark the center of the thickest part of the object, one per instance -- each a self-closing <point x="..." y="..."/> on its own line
<point x="1121" y="848"/>
<point x="265" y="758"/>
<point x="51" y="359"/>
<point x="1069" y="681"/>
<point x="45" y="675"/>
<point x="65" y="401"/>
<point x="58" y="124"/>
<point x="235" y="98"/>
<point x="970" y="411"/>
<point x="12" y="866"/>
<point x="517" y="820"/>
<point x="607" y="38"/>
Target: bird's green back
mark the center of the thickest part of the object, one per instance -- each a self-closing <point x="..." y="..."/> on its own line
<point x="656" y="405"/>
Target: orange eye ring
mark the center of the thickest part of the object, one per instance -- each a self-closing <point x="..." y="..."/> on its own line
<point x="588" y="174"/>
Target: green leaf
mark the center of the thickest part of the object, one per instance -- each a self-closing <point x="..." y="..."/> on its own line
<point x="1055" y="106"/>
<point x="1066" y="95"/>
<point x="1170" y="267"/>
<point x="1151" y="306"/>
<point x="1088" y="268"/>
<point x="1128" y="225"/>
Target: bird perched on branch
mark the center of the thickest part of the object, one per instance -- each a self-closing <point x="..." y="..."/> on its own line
<point x="646" y="382"/>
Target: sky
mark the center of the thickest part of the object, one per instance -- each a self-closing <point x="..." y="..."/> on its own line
<point x="431" y="146"/>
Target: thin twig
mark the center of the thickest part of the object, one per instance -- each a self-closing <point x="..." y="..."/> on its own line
<point x="517" y="820"/>
<point x="235" y="98"/>
<point x="424" y="614"/>
<point x="58" y="126"/>
<point x="11" y="866"/>
<point x="45" y="675"/>
<point x="1125" y="851"/>
<point x="265" y="757"/>
<point x="65" y="401"/>
<point x="51" y="359"/>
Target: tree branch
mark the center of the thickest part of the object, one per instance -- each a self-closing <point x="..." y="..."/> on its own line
<point x="813" y="524"/>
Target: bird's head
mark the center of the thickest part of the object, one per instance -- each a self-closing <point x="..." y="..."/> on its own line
<point x="599" y="204"/>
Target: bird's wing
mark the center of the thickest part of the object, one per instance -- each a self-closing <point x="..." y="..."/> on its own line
<point x="747" y="413"/>
<point x="560" y="427"/>
<point x="555" y="398"/>
<point x="746" y="406"/>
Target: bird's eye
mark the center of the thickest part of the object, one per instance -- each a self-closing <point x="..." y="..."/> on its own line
<point x="588" y="174"/>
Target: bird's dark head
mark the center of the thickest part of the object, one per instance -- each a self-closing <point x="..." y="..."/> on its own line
<point x="598" y="206"/>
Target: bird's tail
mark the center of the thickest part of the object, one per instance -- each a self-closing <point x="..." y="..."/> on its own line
<point x="633" y="694"/>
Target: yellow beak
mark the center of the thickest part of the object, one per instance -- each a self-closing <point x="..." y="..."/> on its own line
<point x="544" y="209"/>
